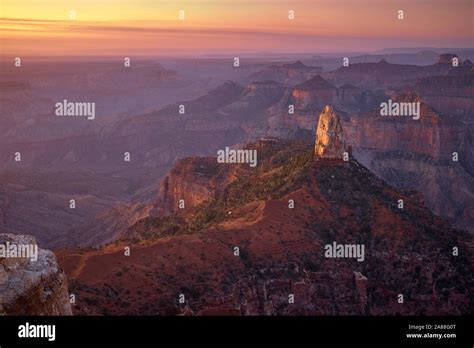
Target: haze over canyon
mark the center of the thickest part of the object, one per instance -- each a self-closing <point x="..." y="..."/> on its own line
<point x="315" y="163"/>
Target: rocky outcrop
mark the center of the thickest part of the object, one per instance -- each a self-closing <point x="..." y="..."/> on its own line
<point x="330" y="142"/>
<point x="191" y="183"/>
<point x="33" y="285"/>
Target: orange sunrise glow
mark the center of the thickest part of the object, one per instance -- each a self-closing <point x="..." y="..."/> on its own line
<point x="146" y="27"/>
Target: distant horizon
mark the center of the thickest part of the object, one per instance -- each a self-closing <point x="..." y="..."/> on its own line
<point x="249" y="55"/>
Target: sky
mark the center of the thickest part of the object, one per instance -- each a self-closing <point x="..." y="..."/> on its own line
<point x="153" y="27"/>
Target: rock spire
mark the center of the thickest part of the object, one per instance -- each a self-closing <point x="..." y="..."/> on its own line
<point x="330" y="142"/>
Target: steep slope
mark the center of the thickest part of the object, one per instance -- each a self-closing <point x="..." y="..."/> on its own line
<point x="38" y="203"/>
<point x="418" y="154"/>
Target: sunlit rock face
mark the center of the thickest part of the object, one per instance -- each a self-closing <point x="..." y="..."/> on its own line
<point x="330" y="141"/>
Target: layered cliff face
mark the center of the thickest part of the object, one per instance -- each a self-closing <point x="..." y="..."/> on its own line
<point x="294" y="114"/>
<point x="447" y="188"/>
<point x="191" y="183"/>
<point x="431" y="135"/>
<point x="418" y="154"/>
<point x="330" y="142"/>
<point x="33" y="285"/>
<point x="451" y="94"/>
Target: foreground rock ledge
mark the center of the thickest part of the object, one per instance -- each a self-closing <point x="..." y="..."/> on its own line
<point x="30" y="287"/>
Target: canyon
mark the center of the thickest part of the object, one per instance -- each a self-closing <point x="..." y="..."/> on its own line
<point x="191" y="252"/>
<point x="233" y="114"/>
<point x="267" y="107"/>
